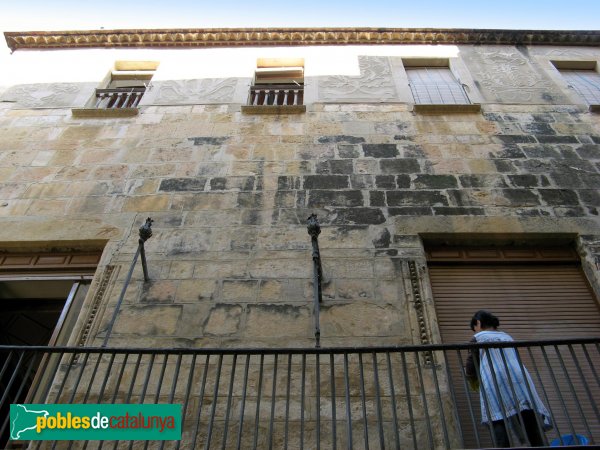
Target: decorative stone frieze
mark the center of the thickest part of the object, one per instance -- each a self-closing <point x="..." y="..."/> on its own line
<point x="244" y="37"/>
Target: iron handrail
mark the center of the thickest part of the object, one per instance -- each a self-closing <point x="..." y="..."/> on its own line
<point x="305" y="350"/>
<point x="339" y="397"/>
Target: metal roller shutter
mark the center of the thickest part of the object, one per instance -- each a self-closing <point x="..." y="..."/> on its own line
<point x="534" y="300"/>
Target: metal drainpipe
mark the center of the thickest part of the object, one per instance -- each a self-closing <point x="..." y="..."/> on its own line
<point x="145" y="234"/>
<point x="314" y="230"/>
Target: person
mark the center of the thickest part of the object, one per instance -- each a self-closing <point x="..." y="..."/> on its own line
<point x="509" y="401"/>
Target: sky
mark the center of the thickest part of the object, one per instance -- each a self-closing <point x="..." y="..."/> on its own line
<point x="46" y="15"/>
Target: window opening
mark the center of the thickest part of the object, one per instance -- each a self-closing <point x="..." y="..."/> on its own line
<point x="435" y="85"/>
<point x="127" y="83"/>
<point x="278" y="82"/>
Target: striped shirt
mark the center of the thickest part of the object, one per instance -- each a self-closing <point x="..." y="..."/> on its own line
<point x="506" y="386"/>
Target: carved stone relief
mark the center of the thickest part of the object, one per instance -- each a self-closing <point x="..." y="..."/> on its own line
<point x="102" y="288"/>
<point x="51" y="95"/>
<point x="375" y="82"/>
<point x="209" y="90"/>
<point x="504" y="74"/>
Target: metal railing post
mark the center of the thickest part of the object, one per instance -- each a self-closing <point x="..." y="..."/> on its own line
<point x="145" y="234"/>
<point x="314" y="229"/>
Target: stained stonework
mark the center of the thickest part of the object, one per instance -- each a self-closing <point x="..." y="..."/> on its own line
<point x="230" y="193"/>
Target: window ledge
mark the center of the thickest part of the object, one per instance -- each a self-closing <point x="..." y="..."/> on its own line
<point x="103" y="112"/>
<point x="595" y="108"/>
<point x="274" y="109"/>
<point x="447" y="108"/>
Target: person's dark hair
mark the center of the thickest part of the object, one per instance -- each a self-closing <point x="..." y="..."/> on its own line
<point x="487" y="319"/>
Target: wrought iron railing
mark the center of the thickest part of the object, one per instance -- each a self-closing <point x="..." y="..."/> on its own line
<point x="118" y="98"/>
<point x="276" y="95"/>
<point x="385" y="397"/>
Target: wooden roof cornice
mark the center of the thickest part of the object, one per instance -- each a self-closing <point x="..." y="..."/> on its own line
<point x="260" y="37"/>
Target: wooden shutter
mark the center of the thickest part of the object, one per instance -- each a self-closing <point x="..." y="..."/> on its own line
<point x="534" y="300"/>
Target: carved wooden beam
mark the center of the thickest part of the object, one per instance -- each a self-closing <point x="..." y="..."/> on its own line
<point x="258" y="37"/>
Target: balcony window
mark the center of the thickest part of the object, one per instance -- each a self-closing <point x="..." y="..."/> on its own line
<point x="583" y="78"/>
<point x="434" y="87"/>
<point x="278" y="87"/>
<point x="121" y="91"/>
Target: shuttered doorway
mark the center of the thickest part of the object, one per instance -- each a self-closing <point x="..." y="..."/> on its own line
<point x="537" y="294"/>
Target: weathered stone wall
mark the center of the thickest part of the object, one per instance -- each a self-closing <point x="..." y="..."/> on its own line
<point x="230" y="258"/>
<point x="230" y="261"/>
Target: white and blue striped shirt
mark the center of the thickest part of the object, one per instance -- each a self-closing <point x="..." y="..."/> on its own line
<point x="511" y="390"/>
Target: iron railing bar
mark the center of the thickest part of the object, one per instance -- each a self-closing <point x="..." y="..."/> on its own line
<point x="243" y="402"/>
<point x="173" y="388"/>
<point x="6" y="363"/>
<point x="93" y="377"/>
<point x="302" y="394"/>
<point x="161" y="377"/>
<point x="378" y="401"/>
<point x="214" y="403"/>
<point x="125" y="357"/>
<point x="424" y="398"/>
<point x="542" y="387"/>
<point x="201" y="400"/>
<point x="287" y="401"/>
<point x="584" y="383"/>
<point x="273" y="393"/>
<point x="484" y="395"/>
<point x="318" y="401"/>
<point x="439" y="398"/>
<point x="572" y="389"/>
<point x="393" y="399"/>
<point x="188" y="389"/>
<point x="103" y="386"/>
<point x="409" y="399"/>
<point x="18" y="394"/>
<point x="511" y="384"/>
<point x="333" y="404"/>
<point x="159" y="387"/>
<point x="119" y="379"/>
<point x="229" y="400"/>
<point x="106" y="376"/>
<point x="42" y="369"/>
<point x="136" y="368"/>
<point x="592" y="368"/>
<point x="557" y="390"/>
<point x="147" y="379"/>
<point x="363" y="402"/>
<point x="83" y="364"/>
<point x="46" y="392"/>
<point x="66" y="375"/>
<point x="321" y="350"/>
<point x="258" y="397"/>
<point x="467" y="396"/>
<point x="534" y="406"/>
<point x="347" y="394"/>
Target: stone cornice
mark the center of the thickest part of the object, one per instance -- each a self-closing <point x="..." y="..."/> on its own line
<point x="260" y="37"/>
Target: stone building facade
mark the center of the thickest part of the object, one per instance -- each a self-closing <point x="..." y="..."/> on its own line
<point x="230" y="188"/>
